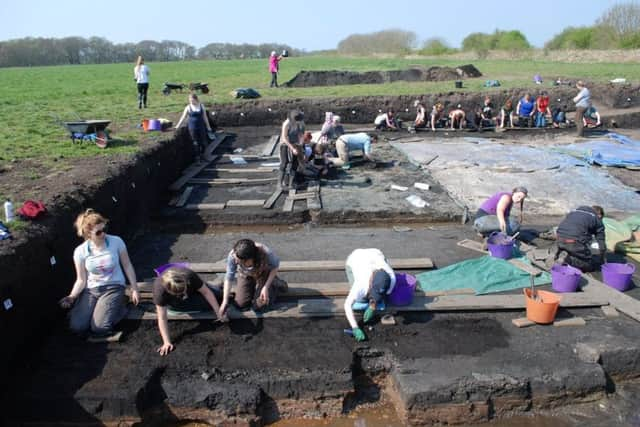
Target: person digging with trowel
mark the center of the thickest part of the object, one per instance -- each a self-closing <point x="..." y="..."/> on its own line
<point x="371" y="279"/>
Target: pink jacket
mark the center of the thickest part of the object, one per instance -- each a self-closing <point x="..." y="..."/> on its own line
<point x="273" y="64"/>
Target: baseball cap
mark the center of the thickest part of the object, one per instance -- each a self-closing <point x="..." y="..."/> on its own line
<point x="380" y="285"/>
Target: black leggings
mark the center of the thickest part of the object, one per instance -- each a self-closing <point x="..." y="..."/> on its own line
<point x="274" y="79"/>
<point x="142" y="93"/>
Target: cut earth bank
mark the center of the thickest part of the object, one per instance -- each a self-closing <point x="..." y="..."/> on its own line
<point x="133" y="189"/>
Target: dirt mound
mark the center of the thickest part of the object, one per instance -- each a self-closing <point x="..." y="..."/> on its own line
<point x="416" y="74"/>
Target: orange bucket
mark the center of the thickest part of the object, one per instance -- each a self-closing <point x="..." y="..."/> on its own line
<point x="544" y="310"/>
<point x="145" y="125"/>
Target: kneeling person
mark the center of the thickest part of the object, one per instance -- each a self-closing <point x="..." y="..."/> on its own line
<point x="181" y="289"/>
<point x="575" y="234"/>
<point x="371" y="279"/>
<point x="351" y="142"/>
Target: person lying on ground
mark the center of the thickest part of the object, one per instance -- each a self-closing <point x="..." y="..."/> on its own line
<point x="437" y="114"/>
<point x="591" y="118"/>
<point x="180" y="289"/>
<point x="198" y="124"/>
<point x="421" y="115"/>
<point x="253" y="267"/>
<point x="506" y="114"/>
<point x="457" y="118"/>
<point x="371" y="279"/>
<point x="573" y="240"/>
<point x="494" y="213"/>
<point x="97" y="299"/>
<point x="386" y="121"/>
<point x="542" y="109"/>
<point x="350" y="142"/>
<point x="486" y="115"/>
<point x="291" y="139"/>
<point x="525" y="110"/>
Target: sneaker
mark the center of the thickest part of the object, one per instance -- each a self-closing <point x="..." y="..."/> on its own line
<point x="562" y="257"/>
<point x="346" y="166"/>
<point x="547" y="235"/>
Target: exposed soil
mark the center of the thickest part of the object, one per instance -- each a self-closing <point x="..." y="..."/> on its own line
<point x="337" y="78"/>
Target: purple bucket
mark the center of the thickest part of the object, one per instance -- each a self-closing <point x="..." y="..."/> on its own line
<point x="500" y="245"/>
<point x="155" y="124"/>
<point x="618" y="276"/>
<point x="162" y="268"/>
<point x="402" y="293"/>
<point x="565" y="278"/>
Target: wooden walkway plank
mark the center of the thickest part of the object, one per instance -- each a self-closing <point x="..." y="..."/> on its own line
<point x="184" y="197"/>
<point x="245" y="203"/>
<point x="188" y="174"/>
<point x="289" y="201"/>
<point x="227" y="181"/>
<point x="208" y="152"/>
<point x="334" y="265"/>
<point x="271" y="145"/>
<point x="273" y="198"/>
<point x="239" y="170"/>
<point x="205" y="206"/>
<point x="623" y="303"/>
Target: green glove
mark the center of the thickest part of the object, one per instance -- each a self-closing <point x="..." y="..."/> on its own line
<point x="358" y="334"/>
<point x="368" y="314"/>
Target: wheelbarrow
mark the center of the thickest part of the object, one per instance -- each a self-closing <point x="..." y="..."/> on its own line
<point x="202" y="87"/>
<point x="89" y="130"/>
<point x="168" y="87"/>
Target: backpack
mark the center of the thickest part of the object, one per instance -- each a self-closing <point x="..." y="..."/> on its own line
<point x="32" y="209"/>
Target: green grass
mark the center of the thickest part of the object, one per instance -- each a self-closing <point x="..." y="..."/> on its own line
<point x="32" y="100"/>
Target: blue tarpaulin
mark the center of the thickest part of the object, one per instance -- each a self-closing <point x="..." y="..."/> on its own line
<point x="619" y="150"/>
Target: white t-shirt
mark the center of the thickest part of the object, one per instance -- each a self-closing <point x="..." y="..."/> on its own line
<point x="380" y="118"/>
<point x="141" y="73"/>
<point x="103" y="267"/>
<point x="363" y="262"/>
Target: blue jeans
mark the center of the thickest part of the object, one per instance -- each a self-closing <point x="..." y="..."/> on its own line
<point x="487" y="224"/>
<point x="540" y="120"/>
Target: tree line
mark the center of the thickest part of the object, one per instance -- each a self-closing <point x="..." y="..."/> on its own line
<point x="31" y="51"/>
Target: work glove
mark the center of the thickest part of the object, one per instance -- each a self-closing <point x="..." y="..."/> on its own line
<point x="368" y="314"/>
<point x="358" y="334"/>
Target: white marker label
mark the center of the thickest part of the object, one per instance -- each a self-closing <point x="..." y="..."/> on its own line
<point x="52" y="260"/>
<point x="114" y="199"/>
<point x="7" y="304"/>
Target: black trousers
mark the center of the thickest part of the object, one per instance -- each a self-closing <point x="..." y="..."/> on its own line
<point x="142" y="93"/>
<point x="579" y="255"/>
<point x="274" y="79"/>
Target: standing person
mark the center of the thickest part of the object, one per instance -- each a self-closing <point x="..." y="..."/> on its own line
<point x="437" y="114"/>
<point x="198" y="124"/>
<point x="97" y="296"/>
<point x="421" y="115"/>
<point x="180" y="289"/>
<point x="351" y="142"/>
<point x="371" y="279"/>
<point x="141" y="76"/>
<point x="291" y="142"/>
<point x="583" y="101"/>
<point x="493" y="214"/>
<point x="274" y="67"/>
<point x="253" y="267"/>
<point x="542" y="109"/>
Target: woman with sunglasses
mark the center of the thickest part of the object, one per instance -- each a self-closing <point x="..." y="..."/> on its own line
<point x="182" y="290"/>
<point x="97" y="299"/>
<point x="254" y="269"/>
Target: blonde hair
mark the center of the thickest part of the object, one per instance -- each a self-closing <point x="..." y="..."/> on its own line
<point x="175" y="281"/>
<point x="140" y="61"/>
<point x="86" y="221"/>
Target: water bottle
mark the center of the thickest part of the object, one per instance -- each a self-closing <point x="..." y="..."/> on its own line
<point x="8" y="211"/>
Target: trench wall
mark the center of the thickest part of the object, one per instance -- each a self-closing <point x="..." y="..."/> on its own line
<point x="363" y="109"/>
<point x="29" y="276"/>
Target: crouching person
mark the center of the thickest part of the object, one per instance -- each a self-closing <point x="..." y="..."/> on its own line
<point x="254" y="269"/>
<point x="575" y="233"/>
<point x="371" y="279"/>
<point x="181" y="289"/>
<point x="351" y="142"/>
<point x="97" y="299"/>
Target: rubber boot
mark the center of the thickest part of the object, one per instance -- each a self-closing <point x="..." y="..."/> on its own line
<point x="282" y="175"/>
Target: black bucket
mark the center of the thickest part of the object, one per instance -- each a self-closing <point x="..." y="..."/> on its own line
<point x="458" y="84"/>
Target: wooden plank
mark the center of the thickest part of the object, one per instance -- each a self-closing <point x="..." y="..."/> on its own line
<point x="184" y="196"/>
<point x="251" y="156"/>
<point x="309" y="265"/>
<point x="289" y="201"/>
<point x="245" y="203"/>
<point x="268" y="204"/>
<point x="193" y="170"/>
<point x="301" y="196"/>
<point x="271" y="145"/>
<point x="227" y="181"/>
<point x="204" y="206"/>
<point x="572" y="321"/>
<point x="473" y="245"/>
<point x="535" y="271"/>
<point x="313" y="202"/>
<point x="329" y="307"/>
<point x="522" y="322"/>
<point x="208" y="152"/>
<point x="610" y="311"/>
<point x="250" y="170"/>
<point x="623" y="303"/>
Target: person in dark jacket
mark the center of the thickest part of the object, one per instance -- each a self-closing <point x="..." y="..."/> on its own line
<point x="574" y="236"/>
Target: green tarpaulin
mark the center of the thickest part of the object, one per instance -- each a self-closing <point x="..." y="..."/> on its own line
<point x="619" y="236"/>
<point x="484" y="275"/>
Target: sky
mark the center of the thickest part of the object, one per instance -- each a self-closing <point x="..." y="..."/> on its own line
<point x="299" y="24"/>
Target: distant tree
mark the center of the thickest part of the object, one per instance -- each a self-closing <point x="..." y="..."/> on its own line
<point x="388" y="41"/>
<point x="623" y="18"/>
<point x="435" y="46"/>
<point x="499" y="40"/>
<point x="477" y="42"/>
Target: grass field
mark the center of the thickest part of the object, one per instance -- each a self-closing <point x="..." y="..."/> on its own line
<point x="33" y="100"/>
